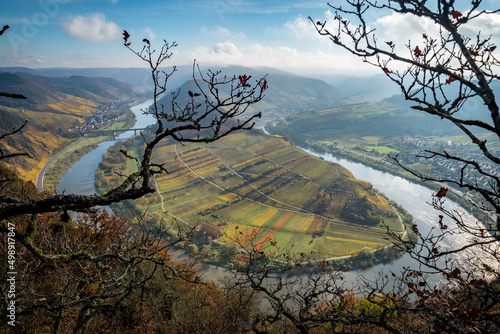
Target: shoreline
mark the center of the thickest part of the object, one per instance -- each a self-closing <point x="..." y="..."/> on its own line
<point x="70" y="149"/>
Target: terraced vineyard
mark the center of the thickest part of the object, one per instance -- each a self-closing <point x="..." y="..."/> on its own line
<point x="258" y="189"/>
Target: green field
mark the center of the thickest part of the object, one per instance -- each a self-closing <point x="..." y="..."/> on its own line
<point x="258" y="189"/>
<point x="382" y="149"/>
<point x="363" y="124"/>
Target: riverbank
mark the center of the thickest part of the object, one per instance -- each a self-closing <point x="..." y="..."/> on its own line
<point x="80" y="178"/>
<point x="59" y="163"/>
<point x="455" y="195"/>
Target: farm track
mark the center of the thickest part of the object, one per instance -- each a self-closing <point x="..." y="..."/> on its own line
<point x="295" y="208"/>
<point x="163" y="206"/>
<point x="259" y="191"/>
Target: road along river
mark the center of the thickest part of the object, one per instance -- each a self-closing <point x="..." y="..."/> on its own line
<point x="79" y="179"/>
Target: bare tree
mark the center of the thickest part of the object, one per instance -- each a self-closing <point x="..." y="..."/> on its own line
<point x="70" y="273"/>
<point x="208" y="115"/>
<point x="442" y="73"/>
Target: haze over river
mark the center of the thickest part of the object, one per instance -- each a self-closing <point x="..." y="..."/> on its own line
<point x="79" y="179"/>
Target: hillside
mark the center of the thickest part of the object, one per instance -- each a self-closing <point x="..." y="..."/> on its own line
<point x="139" y="78"/>
<point x="255" y="188"/>
<point x="287" y="91"/>
<point x="53" y="108"/>
<point x="388" y="118"/>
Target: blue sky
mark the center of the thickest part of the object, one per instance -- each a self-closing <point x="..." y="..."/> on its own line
<point x="87" y="33"/>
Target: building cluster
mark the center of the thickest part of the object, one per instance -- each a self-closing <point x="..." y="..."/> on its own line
<point x="106" y="114"/>
<point x="446" y="168"/>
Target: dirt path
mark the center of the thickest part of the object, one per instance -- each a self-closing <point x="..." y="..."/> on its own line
<point x="298" y="210"/>
<point x="163" y="206"/>
<point x="404" y="233"/>
<point x="41" y="174"/>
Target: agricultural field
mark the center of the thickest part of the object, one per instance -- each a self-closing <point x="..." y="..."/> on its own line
<point x="259" y="189"/>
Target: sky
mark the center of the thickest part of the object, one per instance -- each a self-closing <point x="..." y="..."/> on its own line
<point x="88" y="33"/>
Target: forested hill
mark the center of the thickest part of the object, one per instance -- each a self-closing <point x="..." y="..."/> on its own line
<point x="42" y="90"/>
<point x="53" y="108"/>
<point x="139" y="78"/>
<point x="286" y="91"/>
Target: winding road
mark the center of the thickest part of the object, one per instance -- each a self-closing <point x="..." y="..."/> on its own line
<point x="41" y="174"/>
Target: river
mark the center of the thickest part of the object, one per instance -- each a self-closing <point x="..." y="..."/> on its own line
<point x="79" y="179"/>
<point x="413" y="197"/>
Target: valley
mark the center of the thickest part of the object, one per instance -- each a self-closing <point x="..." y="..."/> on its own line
<point x="56" y="108"/>
<point x="258" y="190"/>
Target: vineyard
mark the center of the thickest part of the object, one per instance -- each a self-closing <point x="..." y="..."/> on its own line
<point x="260" y="189"/>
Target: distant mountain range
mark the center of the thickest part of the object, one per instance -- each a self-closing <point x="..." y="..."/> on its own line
<point x="355" y="89"/>
<point x="286" y="90"/>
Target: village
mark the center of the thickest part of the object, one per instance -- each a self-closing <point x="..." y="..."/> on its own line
<point x="413" y="151"/>
<point x="107" y="114"/>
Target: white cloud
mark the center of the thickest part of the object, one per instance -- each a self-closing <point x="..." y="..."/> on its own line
<point x="402" y="28"/>
<point x="282" y="57"/>
<point x="13" y="58"/>
<point x="92" y="27"/>
<point x="149" y="34"/>
<point x="303" y="28"/>
<point x="488" y="25"/>
<point x="226" y="49"/>
<point x="223" y="33"/>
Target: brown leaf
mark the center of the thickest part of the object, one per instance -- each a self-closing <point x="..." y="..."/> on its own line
<point x="490" y="49"/>
<point x="476" y="282"/>
<point x="414" y="228"/>
<point x="455" y="14"/>
<point x="244" y="79"/>
<point x="442" y="192"/>
<point x="454" y="273"/>
<point x="417" y="52"/>
<point x="450" y="80"/>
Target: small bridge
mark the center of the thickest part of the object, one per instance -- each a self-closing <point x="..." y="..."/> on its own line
<point x="113" y="133"/>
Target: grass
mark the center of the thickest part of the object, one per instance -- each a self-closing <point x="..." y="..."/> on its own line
<point x="382" y="149"/>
